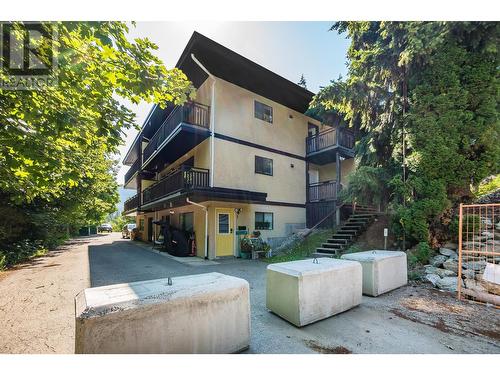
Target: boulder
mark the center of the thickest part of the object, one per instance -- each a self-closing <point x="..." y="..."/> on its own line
<point x="475" y="265"/>
<point x="451" y="245"/>
<point x="438" y="260"/>
<point x="448" y="283"/>
<point x="451" y="265"/>
<point x="454" y="256"/>
<point x="447" y="252"/>
<point x="469" y="274"/>
<point x="438" y="271"/>
<point x="432" y="278"/>
<point x="475" y="285"/>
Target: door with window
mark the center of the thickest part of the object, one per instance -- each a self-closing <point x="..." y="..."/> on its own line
<point x="224" y="232"/>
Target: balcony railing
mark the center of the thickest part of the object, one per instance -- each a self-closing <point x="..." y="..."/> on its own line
<point x="322" y="191"/>
<point x="328" y="138"/>
<point x="185" y="178"/>
<point x="190" y="113"/>
<point x="132" y="203"/>
<point x="133" y="168"/>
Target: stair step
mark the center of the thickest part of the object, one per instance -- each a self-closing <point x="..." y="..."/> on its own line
<point x="342" y="236"/>
<point x="368" y="216"/>
<point x="352" y="225"/>
<point x="323" y="250"/>
<point x="347" y="231"/>
<point x="337" y="240"/>
<point x="321" y="255"/>
<point x="327" y="245"/>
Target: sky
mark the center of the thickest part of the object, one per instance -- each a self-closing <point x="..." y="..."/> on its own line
<point x="289" y="49"/>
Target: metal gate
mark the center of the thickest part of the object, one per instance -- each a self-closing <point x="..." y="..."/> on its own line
<point x="479" y="253"/>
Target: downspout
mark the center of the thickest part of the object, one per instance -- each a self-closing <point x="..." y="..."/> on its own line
<point x="204" y="208"/>
<point x="212" y="120"/>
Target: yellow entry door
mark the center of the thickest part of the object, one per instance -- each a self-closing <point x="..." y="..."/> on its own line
<point x="224" y="232"/>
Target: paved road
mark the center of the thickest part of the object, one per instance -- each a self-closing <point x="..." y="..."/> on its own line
<point x="37" y="309"/>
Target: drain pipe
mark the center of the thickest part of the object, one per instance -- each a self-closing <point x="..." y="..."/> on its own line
<point x="212" y="119"/>
<point x="204" y="208"/>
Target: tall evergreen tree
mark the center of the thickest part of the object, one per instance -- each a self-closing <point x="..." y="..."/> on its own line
<point x="423" y="97"/>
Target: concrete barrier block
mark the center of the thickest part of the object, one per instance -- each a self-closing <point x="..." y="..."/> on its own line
<point x="207" y="313"/>
<point x="306" y="291"/>
<point x="383" y="270"/>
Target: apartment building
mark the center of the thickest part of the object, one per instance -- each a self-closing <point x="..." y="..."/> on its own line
<point x="241" y="156"/>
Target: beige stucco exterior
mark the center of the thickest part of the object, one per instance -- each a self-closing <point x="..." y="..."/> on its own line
<point x="234" y="165"/>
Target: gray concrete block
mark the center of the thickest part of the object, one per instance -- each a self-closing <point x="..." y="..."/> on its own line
<point x="207" y="313"/>
<point x="304" y="291"/>
<point x="383" y="270"/>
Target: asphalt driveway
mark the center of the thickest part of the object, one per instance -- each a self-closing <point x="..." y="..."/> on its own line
<point x="37" y="308"/>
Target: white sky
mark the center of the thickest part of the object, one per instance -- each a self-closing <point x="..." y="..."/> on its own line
<point x="286" y="48"/>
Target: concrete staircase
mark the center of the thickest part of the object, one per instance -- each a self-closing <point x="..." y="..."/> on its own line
<point x="356" y="224"/>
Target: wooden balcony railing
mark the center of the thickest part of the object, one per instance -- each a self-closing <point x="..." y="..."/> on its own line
<point x="190" y="113"/>
<point x="322" y="191"/>
<point x="133" y="168"/>
<point x="132" y="203"/>
<point x="328" y="138"/>
<point x="185" y="178"/>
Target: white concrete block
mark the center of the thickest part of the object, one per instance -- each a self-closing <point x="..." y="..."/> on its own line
<point x="382" y="270"/>
<point x="207" y="313"/>
<point x="304" y="292"/>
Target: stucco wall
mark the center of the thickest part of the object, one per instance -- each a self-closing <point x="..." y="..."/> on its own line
<point x="329" y="171"/>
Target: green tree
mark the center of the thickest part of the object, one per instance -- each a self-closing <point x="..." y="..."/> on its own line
<point x="57" y="168"/>
<point x="423" y="98"/>
<point x="302" y="82"/>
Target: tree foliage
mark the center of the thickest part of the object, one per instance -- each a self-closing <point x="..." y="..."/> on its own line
<point x="429" y="90"/>
<point x="58" y="143"/>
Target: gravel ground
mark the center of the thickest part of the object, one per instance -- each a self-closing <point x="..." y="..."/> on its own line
<point x="37" y="307"/>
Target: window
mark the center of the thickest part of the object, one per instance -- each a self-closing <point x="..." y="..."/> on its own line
<point x="186" y="221"/>
<point x="263" y="165"/>
<point x="263" y="112"/>
<point x="264" y="220"/>
<point x="223" y="223"/>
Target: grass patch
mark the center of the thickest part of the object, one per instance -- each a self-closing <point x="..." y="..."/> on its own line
<point x="302" y="249"/>
<point x="488" y="187"/>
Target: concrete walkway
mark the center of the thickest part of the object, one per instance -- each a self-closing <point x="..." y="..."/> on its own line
<point x="37" y="309"/>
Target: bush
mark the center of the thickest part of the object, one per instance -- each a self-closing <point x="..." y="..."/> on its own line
<point x="419" y="255"/>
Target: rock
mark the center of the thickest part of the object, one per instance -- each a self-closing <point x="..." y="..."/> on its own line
<point x="473" y="245"/>
<point x="487" y="235"/>
<point x="454" y="256"/>
<point x="451" y="245"/>
<point x="447" y="252"/>
<point x="430" y="269"/>
<point x="475" y="265"/>
<point x="432" y="278"/>
<point x="447" y="283"/>
<point x="494" y="243"/>
<point x="438" y="260"/>
<point x="451" y="265"/>
<point x="438" y="271"/>
<point x="474" y="285"/>
<point x="469" y="274"/>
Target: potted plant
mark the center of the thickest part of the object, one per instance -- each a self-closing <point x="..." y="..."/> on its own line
<point x="246" y="247"/>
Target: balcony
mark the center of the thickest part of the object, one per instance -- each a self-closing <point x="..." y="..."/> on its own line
<point x="322" y="191"/>
<point x="184" y="179"/>
<point x="134" y="168"/>
<point x="131" y="204"/>
<point x="323" y="147"/>
<point x="184" y="128"/>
